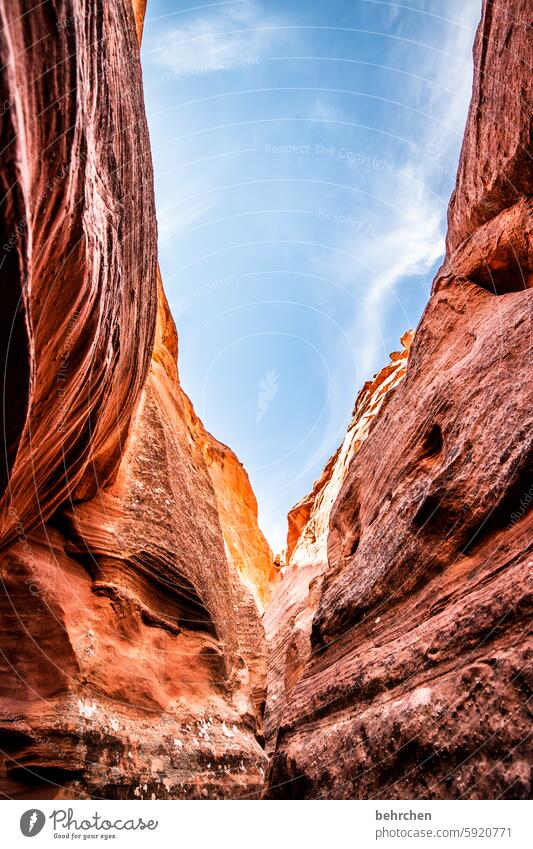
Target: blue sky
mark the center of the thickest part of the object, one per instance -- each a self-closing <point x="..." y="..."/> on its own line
<point x="304" y="155"/>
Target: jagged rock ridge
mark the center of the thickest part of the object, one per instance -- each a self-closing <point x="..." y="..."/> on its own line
<point x="289" y="618"/>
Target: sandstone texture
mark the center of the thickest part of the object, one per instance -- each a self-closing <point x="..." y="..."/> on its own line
<point x="401" y="657"/>
<point x="289" y="618"/>
<point x="495" y="164"/>
<point x="133" y="654"/>
<point x="79" y="251"/>
<point x="136" y="586"/>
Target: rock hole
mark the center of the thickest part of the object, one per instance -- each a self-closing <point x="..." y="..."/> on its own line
<point x="514" y="506"/>
<point x="32" y="774"/>
<point x="427" y="512"/>
<point x="433" y="443"/>
<point x="351" y="544"/>
<point x="503" y="281"/>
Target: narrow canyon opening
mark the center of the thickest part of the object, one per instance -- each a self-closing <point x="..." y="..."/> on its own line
<point x="153" y="646"/>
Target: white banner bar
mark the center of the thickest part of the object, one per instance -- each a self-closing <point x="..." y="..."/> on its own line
<point x="267" y="824"/>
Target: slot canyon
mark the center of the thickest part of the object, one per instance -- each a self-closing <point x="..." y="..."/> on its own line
<point x="152" y="646"/>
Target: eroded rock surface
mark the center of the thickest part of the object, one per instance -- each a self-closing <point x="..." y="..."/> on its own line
<point x="79" y="250"/>
<point x="133" y="572"/>
<point x="289" y="618"/>
<point x="133" y="655"/>
<point x="416" y="679"/>
<point x="495" y="164"/>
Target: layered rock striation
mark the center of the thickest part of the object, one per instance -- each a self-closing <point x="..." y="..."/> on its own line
<point x="132" y="651"/>
<point x="133" y="659"/>
<point x="415" y="681"/>
<point x="289" y="618"/>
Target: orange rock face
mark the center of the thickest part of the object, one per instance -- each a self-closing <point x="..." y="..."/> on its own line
<point x="133" y="655"/>
<point x="246" y="547"/>
<point x="289" y="618"/>
<point x="133" y="572"/>
<point x="495" y="168"/>
<point x="416" y="676"/>
<point x="79" y="252"/>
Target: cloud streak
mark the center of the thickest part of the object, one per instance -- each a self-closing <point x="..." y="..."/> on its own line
<point x="407" y="213"/>
<point x="237" y="35"/>
<point x="175" y="219"/>
<point x="414" y="241"/>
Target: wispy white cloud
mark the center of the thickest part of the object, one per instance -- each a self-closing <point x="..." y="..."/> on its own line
<point x="321" y="110"/>
<point x="413" y="241"/>
<point x="174" y="219"/>
<point x="238" y="34"/>
<point x="398" y="226"/>
<point x="407" y="210"/>
<point x="411" y="247"/>
<point x="452" y="72"/>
